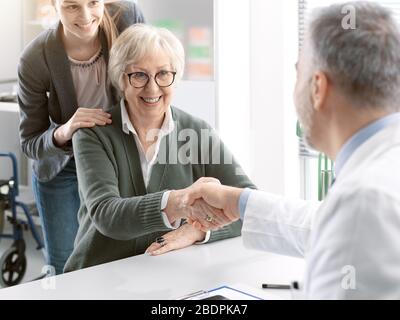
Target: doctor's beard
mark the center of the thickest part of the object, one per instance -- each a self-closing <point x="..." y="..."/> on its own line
<point x="305" y="111"/>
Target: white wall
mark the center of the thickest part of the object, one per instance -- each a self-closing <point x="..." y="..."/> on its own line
<point x="203" y="105"/>
<point x="10" y="37"/>
<point x="267" y="111"/>
<point x="232" y="40"/>
<point x="290" y="52"/>
<point x="273" y="121"/>
<point x="257" y="118"/>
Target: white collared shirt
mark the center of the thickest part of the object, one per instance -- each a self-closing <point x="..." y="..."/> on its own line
<point x="147" y="159"/>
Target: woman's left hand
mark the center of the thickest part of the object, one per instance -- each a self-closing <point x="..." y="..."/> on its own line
<point x="180" y="238"/>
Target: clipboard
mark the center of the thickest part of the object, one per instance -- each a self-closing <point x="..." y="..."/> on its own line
<point x="222" y="293"/>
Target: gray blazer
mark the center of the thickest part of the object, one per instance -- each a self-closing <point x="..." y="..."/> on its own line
<point x="46" y="93"/>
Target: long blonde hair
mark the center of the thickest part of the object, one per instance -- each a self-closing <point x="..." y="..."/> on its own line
<point x="108" y="24"/>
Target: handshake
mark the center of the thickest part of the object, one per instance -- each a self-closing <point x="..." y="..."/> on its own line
<point x="206" y="204"/>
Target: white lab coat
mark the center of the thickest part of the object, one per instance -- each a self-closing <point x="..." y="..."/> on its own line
<point x="351" y="241"/>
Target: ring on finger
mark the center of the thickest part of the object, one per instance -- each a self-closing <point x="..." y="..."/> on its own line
<point x="160" y="240"/>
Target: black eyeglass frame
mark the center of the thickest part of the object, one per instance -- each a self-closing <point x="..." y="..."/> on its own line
<point x="148" y="78"/>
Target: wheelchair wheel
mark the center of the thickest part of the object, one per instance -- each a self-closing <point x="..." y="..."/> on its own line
<point x="13" y="267"/>
<point x="2" y="213"/>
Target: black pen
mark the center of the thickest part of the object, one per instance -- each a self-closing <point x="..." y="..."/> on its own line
<point x="280" y="286"/>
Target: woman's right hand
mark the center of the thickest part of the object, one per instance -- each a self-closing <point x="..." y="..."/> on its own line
<point x="82" y="118"/>
<point x="198" y="210"/>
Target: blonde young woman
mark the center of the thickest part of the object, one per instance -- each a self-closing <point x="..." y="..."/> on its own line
<point x="63" y="87"/>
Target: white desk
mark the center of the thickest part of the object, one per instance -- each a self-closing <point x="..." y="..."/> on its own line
<point x="169" y="276"/>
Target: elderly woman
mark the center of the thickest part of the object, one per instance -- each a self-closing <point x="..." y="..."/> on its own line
<point x="133" y="173"/>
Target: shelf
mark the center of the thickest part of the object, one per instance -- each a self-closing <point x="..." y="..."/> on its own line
<point x="192" y="22"/>
<point x="37" y="15"/>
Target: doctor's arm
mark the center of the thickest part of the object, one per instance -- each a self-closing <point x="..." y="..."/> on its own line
<point x="278" y="224"/>
<point x="271" y="223"/>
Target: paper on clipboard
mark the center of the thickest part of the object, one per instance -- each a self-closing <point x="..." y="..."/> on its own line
<point x="233" y="292"/>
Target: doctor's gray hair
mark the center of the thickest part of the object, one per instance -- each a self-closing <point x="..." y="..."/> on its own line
<point x="135" y="43"/>
<point x="363" y="62"/>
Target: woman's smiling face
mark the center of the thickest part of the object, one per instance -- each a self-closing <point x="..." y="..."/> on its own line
<point x="151" y="101"/>
<point x="80" y="18"/>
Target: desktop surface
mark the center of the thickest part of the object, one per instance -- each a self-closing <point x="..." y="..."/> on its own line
<point x="169" y="276"/>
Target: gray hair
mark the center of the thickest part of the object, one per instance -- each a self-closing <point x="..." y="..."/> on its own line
<point x="135" y="43"/>
<point x="363" y="62"/>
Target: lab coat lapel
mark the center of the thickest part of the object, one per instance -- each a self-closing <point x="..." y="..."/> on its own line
<point x="379" y="143"/>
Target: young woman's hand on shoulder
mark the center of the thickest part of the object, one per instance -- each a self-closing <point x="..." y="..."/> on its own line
<point x="83" y="118"/>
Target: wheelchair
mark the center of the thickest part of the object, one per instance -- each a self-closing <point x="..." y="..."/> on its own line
<point x="13" y="261"/>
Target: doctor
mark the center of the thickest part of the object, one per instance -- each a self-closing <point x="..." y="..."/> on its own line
<point x="347" y="98"/>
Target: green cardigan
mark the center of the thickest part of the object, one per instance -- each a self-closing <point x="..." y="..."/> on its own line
<point x="119" y="217"/>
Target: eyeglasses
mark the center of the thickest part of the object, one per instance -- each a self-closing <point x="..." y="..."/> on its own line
<point x="141" y="79"/>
